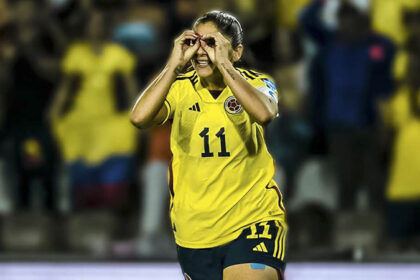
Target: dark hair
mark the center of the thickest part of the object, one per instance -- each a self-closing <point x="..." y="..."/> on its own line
<point x="347" y="9"/>
<point x="226" y="23"/>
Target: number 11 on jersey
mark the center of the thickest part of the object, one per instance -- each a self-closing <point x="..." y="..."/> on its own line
<point x="221" y="135"/>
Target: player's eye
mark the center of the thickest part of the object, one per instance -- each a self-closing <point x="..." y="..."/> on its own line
<point x="210" y="42"/>
<point x="189" y="42"/>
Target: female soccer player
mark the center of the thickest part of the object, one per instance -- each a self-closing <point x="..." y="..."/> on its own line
<point x="226" y="211"/>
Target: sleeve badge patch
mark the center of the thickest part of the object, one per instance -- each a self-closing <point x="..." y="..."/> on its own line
<point x="270" y="84"/>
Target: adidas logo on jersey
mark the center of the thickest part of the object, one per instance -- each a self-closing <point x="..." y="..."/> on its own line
<point x="260" y="248"/>
<point x="195" y="107"/>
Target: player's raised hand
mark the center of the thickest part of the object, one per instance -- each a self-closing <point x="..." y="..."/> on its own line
<point x="185" y="46"/>
<point x="217" y="47"/>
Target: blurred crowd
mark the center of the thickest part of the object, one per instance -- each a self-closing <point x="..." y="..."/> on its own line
<point x="76" y="176"/>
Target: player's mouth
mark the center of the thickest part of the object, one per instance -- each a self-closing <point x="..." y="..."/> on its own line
<point x="202" y="63"/>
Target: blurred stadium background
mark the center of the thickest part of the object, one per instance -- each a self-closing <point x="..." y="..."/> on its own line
<point x="83" y="194"/>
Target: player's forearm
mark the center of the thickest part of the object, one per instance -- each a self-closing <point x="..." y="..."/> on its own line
<point x="65" y="90"/>
<point x="249" y="97"/>
<point x="58" y="103"/>
<point x="153" y="97"/>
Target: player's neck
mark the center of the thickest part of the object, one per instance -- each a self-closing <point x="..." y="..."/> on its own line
<point x="214" y="82"/>
<point x="97" y="46"/>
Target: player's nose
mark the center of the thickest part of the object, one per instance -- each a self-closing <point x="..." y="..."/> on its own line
<point x="201" y="51"/>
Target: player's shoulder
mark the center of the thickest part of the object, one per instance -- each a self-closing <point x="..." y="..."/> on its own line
<point x="119" y="52"/>
<point x="251" y="74"/>
<point x="116" y="47"/>
<point x="187" y="78"/>
<point x="77" y="47"/>
<point x="188" y="75"/>
<point x="76" y="53"/>
<point x="257" y="78"/>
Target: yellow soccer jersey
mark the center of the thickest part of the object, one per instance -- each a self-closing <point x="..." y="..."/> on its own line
<point x="93" y="116"/>
<point x="221" y="173"/>
<point x="405" y="169"/>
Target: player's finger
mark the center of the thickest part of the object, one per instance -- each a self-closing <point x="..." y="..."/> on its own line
<point x="204" y="45"/>
<point x="189" y="33"/>
<point x="181" y="37"/>
<point x="191" y="50"/>
<point x="191" y="37"/>
<point x="190" y="41"/>
<point x="194" y="48"/>
<point x="194" y="44"/>
<point x="217" y="36"/>
<point x="212" y="39"/>
<point x="197" y="44"/>
<point x="220" y="38"/>
<point x="209" y="35"/>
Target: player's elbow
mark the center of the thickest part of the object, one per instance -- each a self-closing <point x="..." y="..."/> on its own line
<point x="139" y="121"/>
<point x="266" y="116"/>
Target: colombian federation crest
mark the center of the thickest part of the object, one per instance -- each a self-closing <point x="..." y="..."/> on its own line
<point x="232" y="106"/>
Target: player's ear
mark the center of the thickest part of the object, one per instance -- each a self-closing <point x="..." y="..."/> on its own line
<point x="237" y="53"/>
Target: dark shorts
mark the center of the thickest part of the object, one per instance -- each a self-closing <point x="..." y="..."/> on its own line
<point x="260" y="244"/>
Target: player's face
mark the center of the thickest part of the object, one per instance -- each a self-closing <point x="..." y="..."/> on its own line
<point x="201" y="61"/>
<point x="95" y="28"/>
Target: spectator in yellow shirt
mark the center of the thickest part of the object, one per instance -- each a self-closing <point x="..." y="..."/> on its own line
<point x="90" y="117"/>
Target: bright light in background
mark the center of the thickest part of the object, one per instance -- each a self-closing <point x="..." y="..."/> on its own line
<point x="171" y="271"/>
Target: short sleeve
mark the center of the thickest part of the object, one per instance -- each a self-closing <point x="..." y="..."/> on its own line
<point x="171" y="101"/>
<point x="126" y="61"/>
<point x="267" y="86"/>
<point x="400" y="65"/>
